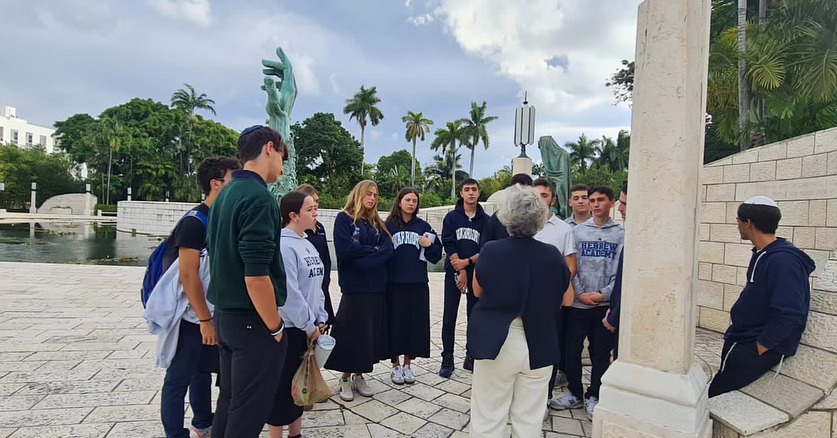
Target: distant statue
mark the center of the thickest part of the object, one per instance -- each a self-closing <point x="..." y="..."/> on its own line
<point x="281" y="95"/>
<point x="556" y="162"/>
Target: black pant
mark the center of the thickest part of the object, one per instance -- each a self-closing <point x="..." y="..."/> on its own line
<point x="251" y="365"/>
<point x="561" y="327"/>
<point x="587" y="323"/>
<point x="452" y="297"/>
<point x="741" y="365"/>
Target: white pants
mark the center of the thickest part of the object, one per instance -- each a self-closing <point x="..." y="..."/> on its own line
<point x="505" y="388"/>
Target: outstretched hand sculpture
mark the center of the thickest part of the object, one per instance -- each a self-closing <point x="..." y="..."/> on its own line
<point x="281" y="95"/>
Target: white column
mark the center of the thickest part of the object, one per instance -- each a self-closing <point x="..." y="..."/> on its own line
<point x="656" y="389"/>
<point x="32" y="198"/>
<point x="522" y="165"/>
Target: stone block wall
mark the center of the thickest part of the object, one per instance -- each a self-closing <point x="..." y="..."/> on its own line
<point x="801" y="175"/>
<point x="150" y="217"/>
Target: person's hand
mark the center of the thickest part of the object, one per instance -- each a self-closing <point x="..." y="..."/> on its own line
<point x="462" y="284"/>
<point x="314" y="335"/>
<point x="424" y="242"/>
<point x="281" y="94"/>
<point x="459" y="264"/>
<point x="322" y="328"/>
<point x="597" y="297"/>
<point x="761" y="349"/>
<point x="587" y="298"/>
<point x="607" y="324"/>
<point x="208" y="333"/>
<point x="278" y="338"/>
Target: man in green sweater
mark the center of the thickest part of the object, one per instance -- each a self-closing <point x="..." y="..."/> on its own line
<point x="247" y="286"/>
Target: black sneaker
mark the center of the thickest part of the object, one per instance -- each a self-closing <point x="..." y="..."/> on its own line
<point x="446" y="370"/>
<point x="468" y="364"/>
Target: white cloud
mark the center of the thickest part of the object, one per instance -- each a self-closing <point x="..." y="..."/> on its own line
<point x="195" y="11"/>
<point x="407" y="3"/>
<point x="521" y="38"/>
<point x="420" y="20"/>
<point x="334" y="87"/>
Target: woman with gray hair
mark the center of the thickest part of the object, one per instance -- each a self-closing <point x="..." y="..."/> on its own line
<point x="511" y="332"/>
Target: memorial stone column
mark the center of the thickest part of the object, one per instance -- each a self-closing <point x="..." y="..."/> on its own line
<point x="656" y="389"/>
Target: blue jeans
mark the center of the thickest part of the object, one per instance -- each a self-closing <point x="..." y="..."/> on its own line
<point x="190" y="369"/>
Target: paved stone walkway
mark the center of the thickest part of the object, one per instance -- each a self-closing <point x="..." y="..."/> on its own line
<point x="76" y="361"/>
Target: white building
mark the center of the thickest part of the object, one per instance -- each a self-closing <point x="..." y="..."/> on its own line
<point x="22" y="133"/>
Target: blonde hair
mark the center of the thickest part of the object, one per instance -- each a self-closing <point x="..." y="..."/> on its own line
<point x="355" y="209"/>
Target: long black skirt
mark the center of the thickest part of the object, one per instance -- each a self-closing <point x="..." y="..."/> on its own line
<point x="408" y="315"/>
<point x="284" y="411"/>
<point x="360" y="332"/>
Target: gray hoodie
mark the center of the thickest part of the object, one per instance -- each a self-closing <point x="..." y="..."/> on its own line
<point x="598" y="251"/>
<point x="305" y="306"/>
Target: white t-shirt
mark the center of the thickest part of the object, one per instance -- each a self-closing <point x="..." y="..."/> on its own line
<point x="559" y="234"/>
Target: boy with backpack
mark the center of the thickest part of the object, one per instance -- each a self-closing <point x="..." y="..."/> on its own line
<point x="195" y="352"/>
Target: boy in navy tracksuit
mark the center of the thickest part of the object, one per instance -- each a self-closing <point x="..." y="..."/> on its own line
<point x="771" y="313"/>
<point x="461" y="231"/>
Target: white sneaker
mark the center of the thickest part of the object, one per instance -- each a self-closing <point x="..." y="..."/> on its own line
<point x="397" y="375"/>
<point x="361" y="387"/>
<point x="590" y="405"/>
<point x="346" y="390"/>
<point x="560" y="380"/>
<point x="566" y="401"/>
<point x="409" y="377"/>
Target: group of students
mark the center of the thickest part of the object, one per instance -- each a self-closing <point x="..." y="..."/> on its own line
<point x="266" y="298"/>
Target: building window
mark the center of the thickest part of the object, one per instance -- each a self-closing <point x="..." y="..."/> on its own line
<point x="43" y="141"/>
<point x="14" y="136"/>
<point x="29" y="139"/>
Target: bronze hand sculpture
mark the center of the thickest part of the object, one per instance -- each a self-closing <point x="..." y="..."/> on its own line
<point x="281" y="95"/>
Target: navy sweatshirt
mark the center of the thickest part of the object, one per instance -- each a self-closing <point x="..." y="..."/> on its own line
<point x="362" y="255"/>
<point x="494" y="230"/>
<point x="461" y="234"/>
<point x="405" y="267"/>
<point x="616" y="295"/>
<point x="773" y="307"/>
<point x="320" y="242"/>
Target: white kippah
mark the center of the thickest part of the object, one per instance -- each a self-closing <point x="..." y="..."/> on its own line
<point x="761" y="200"/>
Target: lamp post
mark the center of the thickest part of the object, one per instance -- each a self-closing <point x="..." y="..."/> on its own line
<point x="87" y="209"/>
<point x="167" y="196"/>
<point x="129" y="193"/>
<point x="32" y="207"/>
<point x="524" y="134"/>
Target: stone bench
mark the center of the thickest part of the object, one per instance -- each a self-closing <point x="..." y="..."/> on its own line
<point x="799" y="401"/>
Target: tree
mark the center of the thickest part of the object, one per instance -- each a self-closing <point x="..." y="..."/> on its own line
<point x="439" y="173"/>
<point x="328" y="156"/>
<point x="19" y="167"/>
<point x="108" y="134"/>
<point x="449" y="139"/>
<point x="743" y="86"/>
<point x="392" y="173"/>
<point x="190" y="100"/>
<point x="613" y="155"/>
<point x="623" y="82"/>
<point x="476" y="130"/>
<point x="417" y="127"/>
<point x="362" y="106"/>
<point x="582" y="152"/>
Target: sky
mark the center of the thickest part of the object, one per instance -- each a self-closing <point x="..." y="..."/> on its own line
<point x="433" y="56"/>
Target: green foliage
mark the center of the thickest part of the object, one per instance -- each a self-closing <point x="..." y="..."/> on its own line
<point x="328" y="156"/>
<point x="105" y="208"/>
<point x="623" y="82"/>
<point x="362" y="106"/>
<point x="19" y="168"/>
<point x="601" y="176"/>
<point x="147" y="146"/>
<point x="393" y="173"/>
<point x="475" y="130"/>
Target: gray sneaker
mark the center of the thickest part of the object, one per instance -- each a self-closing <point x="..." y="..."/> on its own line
<point x="203" y="433"/>
<point x="590" y="406"/>
<point x="560" y="380"/>
<point x="409" y="377"/>
<point x="566" y="401"/>
<point x="361" y="387"/>
<point x="397" y="375"/>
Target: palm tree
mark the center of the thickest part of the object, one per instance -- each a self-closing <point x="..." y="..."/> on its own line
<point x="109" y="132"/>
<point x="417" y="127"/>
<point x="189" y="101"/>
<point x="476" y="131"/>
<point x="439" y="171"/>
<point x="449" y="139"/>
<point x="362" y="107"/>
<point x="582" y="152"/>
<point x="743" y="85"/>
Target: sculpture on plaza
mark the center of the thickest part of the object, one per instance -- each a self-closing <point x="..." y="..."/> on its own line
<point x="556" y="162"/>
<point x="281" y="95"/>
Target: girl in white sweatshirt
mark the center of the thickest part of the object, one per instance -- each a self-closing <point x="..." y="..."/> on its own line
<point x="304" y="311"/>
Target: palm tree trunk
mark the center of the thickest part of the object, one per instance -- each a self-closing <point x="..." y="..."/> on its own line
<point x="362" y="147"/>
<point x="471" y="167"/>
<point x="110" y="160"/>
<point x="743" y="89"/>
<point x="453" y="172"/>
<point x="413" y="166"/>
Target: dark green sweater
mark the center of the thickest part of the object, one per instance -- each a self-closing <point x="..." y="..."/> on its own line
<point x="243" y="241"/>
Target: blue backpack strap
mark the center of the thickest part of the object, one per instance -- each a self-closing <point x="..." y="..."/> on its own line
<point x="202" y="217"/>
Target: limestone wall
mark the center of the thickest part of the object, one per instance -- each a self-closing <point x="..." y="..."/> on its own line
<point x="801" y="175"/>
<point x="70" y="203"/>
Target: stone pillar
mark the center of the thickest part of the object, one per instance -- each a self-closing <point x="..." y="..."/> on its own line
<point x="88" y="211"/>
<point x="522" y="165"/>
<point x="32" y="198"/>
<point x="656" y="389"/>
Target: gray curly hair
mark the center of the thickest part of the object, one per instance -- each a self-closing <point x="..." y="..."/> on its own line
<point x="522" y="211"/>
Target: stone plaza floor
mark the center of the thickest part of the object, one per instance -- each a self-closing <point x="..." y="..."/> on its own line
<point x="76" y="361"/>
